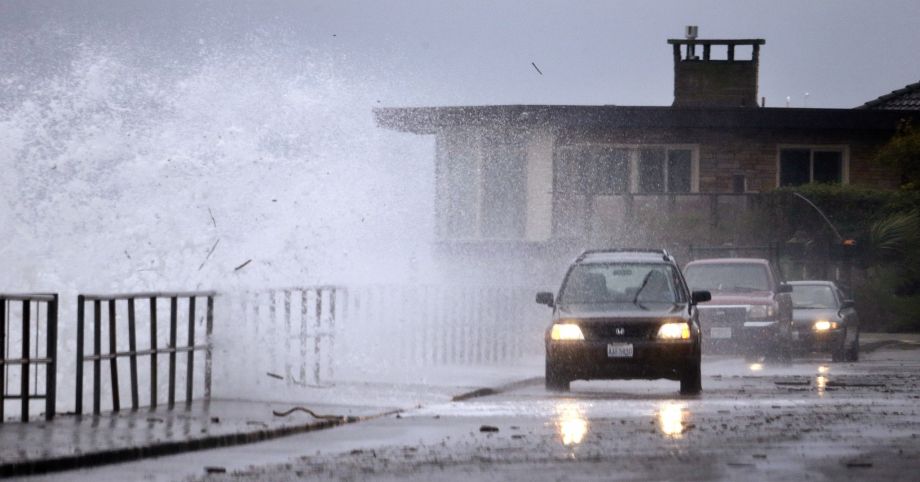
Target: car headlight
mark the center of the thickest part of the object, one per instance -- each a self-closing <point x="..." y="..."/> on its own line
<point x="674" y="331"/>
<point x="566" y="331"/>
<point x="760" y="312"/>
<point x="824" y="325"/>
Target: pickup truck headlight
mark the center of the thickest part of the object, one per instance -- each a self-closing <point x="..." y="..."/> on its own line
<point x="674" y="331"/>
<point x="566" y="331"/>
<point x="760" y="312"/>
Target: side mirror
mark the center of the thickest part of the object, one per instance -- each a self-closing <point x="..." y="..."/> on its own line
<point x="700" y="296"/>
<point x="546" y="298"/>
<point x="784" y="288"/>
<point x="847" y="304"/>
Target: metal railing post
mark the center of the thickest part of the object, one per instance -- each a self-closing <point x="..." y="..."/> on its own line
<point x="132" y="346"/>
<point x="209" y="324"/>
<point x="190" y="361"/>
<point x="173" y="318"/>
<point x="331" y="328"/>
<point x="51" y="350"/>
<point x="24" y="368"/>
<point x="113" y="362"/>
<point x="304" y="299"/>
<point x="81" y="302"/>
<point x="316" y="335"/>
<point x="97" y="353"/>
<point x="2" y="357"/>
<point x="153" y="354"/>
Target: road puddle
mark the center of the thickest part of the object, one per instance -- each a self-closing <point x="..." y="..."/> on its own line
<point x="571" y="423"/>
<point x="672" y="417"/>
<point x="821" y="384"/>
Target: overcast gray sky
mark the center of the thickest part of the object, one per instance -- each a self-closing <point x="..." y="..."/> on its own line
<point x="842" y="52"/>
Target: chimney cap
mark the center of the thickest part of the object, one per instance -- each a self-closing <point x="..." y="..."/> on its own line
<point x="713" y="41"/>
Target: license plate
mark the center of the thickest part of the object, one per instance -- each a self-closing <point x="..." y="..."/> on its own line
<point x="619" y="350"/>
<point x="720" y="332"/>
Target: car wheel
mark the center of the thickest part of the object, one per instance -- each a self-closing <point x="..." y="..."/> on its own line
<point x="556" y="381"/>
<point x="691" y="382"/>
<point x="853" y="351"/>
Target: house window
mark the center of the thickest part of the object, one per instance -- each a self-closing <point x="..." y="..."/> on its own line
<point x="504" y="194"/>
<point x="739" y="183"/>
<point x="592" y="170"/>
<point x="665" y="170"/>
<point x="458" y="161"/>
<point x="651" y="170"/>
<point x="597" y="169"/>
<point x="802" y="165"/>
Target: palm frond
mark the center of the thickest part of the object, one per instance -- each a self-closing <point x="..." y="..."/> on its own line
<point x="897" y="234"/>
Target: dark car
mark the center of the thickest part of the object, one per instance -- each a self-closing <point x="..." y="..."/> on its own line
<point x="824" y="320"/>
<point x="750" y="312"/>
<point x="623" y="314"/>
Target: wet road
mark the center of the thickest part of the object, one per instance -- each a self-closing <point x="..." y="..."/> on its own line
<point x="809" y="420"/>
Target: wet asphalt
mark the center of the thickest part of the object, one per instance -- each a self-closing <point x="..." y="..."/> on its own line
<point x="807" y="420"/>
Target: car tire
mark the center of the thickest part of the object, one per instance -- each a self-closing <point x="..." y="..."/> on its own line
<point x="691" y="380"/>
<point x="556" y="381"/>
<point x="839" y="353"/>
<point x="852" y="354"/>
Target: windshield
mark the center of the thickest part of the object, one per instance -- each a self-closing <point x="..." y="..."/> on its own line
<point x="728" y="277"/>
<point x="624" y="283"/>
<point x="813" y="297"/>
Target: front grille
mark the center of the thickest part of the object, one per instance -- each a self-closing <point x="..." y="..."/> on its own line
<point x="722" y="316"/>
<point x="615" y="330"/>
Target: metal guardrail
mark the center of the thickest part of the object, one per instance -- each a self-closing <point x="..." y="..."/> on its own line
<point x="300" y="323"/>
<point x="133" y="352"/>
<point x="28" y="357"/>
<point x="430" y="325"/>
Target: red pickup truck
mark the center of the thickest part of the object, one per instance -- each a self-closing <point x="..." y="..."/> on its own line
<point x="751" y="309"/>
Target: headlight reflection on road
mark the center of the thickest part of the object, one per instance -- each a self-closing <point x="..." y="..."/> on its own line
<point x="821" y="383"/>
<point x="571" y="423"/>
<point x="671" y="419"/>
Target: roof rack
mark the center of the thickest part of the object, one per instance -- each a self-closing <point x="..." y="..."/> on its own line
<point x="664" y="253"/>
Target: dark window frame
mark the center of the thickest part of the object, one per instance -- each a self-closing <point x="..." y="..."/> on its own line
<point x="588" y="181"/>
<point x="633" y="182"/>
<point x="843" y="166"/>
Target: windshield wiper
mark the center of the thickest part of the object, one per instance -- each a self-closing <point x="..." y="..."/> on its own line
<point x="642" y="287"/>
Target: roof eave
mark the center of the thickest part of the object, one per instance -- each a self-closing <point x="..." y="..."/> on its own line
<point x="430" y="120"/>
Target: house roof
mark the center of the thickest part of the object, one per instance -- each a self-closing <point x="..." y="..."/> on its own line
<point x="907" y="98"/>
<point x="429" y="120"/>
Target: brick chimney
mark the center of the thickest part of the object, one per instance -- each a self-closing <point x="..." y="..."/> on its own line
<point x="702" y="80"/>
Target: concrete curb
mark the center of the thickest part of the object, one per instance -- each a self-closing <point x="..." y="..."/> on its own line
<point x="869" y="347"/>
<point x="485" y="392"/>
<point x="34" y="467"/>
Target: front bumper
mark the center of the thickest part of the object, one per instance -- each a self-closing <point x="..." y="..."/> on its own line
<point x="807" y="340"/>
<point x="743" y="338"/>
<point x="588" y="360"/>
